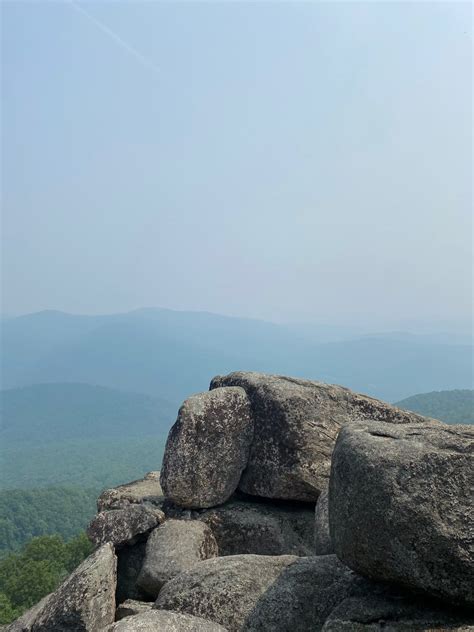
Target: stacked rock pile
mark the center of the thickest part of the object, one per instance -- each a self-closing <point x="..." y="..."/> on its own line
<point x="283" y="504"/>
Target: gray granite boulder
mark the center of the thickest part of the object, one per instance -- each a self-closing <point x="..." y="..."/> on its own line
<point x="131" y="607"/>
<point x="303" y="595"/>
<point x="84" y="602"/>
<point x="247" y="526"/>
<point x="120" y="526"/>
<point x="401" y="506"/>
<point x="172" y="548"/>
<point x="207" y="448"/>
<point x="381" y="610"/>
<point x="322" y="537"/>
<point x="296" y="425"/>
<point x="163" y="621"/>
<point x="146" y="490"/>
<point x="258" y="592"/>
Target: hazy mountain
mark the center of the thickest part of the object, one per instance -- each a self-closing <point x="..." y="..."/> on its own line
<point x="171" y="354"/>
<point x="456" y="407"/>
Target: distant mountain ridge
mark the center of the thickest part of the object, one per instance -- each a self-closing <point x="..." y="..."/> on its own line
<point x="170" y="354"/>
<point x="455" y="407"/>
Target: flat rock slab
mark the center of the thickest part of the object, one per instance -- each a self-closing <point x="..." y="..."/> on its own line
<point x="175" y="546"/>
<point x="145" y="490"/>
<point x="401" y="506"/>
<point x="257" y="592"/>
<point x="296" y="425"/>
<point x="84" y="602"/>
<point x="251" y="527"/>
<point x="161" y="620"/>
<point x="120" y="526"/>
<point x="207" y="448"/>
<point x="322" y="538"/>
<point x="132" y="607"/>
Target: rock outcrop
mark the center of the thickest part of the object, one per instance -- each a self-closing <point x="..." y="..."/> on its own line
<point x="401" y="506"/>
<point x="296" y="425"/>
<point x="242" y="533"/>
<point x="173" y="548"/>
<point x="207" y="448"/>
<point x="224" y="590"/>
<point x="247" y="526"/>
<point x="121" y="526"/>
<point x="146" y="490"/>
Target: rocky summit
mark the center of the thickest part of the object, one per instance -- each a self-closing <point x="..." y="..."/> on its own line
<point x="283" y="505"/>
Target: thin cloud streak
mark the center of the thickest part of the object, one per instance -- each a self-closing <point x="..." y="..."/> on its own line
<point x="144" y="61"/>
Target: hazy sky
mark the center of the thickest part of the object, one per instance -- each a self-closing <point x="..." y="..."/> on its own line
<point x="291" y="161"/>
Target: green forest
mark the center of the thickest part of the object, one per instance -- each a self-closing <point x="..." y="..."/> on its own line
<point x="36" y="570"/>
<point x="25" y="514"/>
<point x="453" y="407"/>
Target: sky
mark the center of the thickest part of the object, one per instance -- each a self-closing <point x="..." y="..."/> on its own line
<point x="295" y="162"/>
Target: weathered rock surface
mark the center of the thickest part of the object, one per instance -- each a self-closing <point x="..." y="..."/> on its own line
<point x="224" y="589"/>
<point x="131" y="607"/>
<point x="247" y="526"/>
<point x="175" y="546"/>
<point x="401" y="506"/>
<point x="252" y="592"/>
<point x="146" y="490"/>
<point x="303" y="595"/>
<point x="161" y="620"/>
<point x="207" y="448"/>
<point x="85" y="601"/>
<point x="386" y="612"/>
<point x="296" y="425"/>
<point x="322" y="537"/>
<point x="120" y="526"/>
<point x="129" y="564"/>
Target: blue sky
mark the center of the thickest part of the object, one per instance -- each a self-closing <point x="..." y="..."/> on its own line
<point x="290" y="161"/>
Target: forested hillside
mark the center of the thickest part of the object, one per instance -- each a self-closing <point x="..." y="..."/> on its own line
<point x="455" y="407"/>
<point x="25" y="514"/>
<point x="42" y="413"/>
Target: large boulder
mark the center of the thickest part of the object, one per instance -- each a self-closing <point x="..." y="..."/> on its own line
<point x="157" y="620"/>
<point x="207" y="448"/>
<point x="381" y="610"/>
<point x="296" y="425"/>
<point x="84" y="602"/>
<point x="401" y="506"/>
<point x="322" y="537"/>
<point x="253" y="592"/>
<point x="247" y="526"/>
<point x="120" y="526"/>
<point x="146" y="490"/>
<point x="172" y="548"/>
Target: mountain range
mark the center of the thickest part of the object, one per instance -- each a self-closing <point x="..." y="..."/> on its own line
<point x="169" y="354"/>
